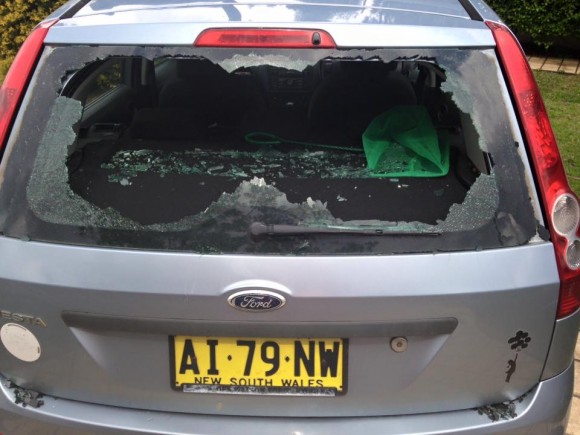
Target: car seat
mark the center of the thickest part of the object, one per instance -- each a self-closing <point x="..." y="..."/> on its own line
<point x="353" y="94"/>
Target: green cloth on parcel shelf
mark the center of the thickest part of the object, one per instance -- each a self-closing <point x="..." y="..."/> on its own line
<point x="403" y="142"/>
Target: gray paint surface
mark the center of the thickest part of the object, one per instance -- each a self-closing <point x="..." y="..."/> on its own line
<point x="351" y="24"/>
<point x="445" y="371"/>
<point x="563" y="344"/>
<point x="345" y="35"/>
<point x="544" y="410"/>
<point x="442" y="7"/>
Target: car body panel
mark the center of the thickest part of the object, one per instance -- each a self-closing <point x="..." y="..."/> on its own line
<point x="484" y="10"/>
<point x="544" y="410"/>
<point x="444" y="7"/>
<point x="170" y="293"/>
<point x="422" y="23"/>
<point x="350" y="35"/>
<point x="562" y="347"/>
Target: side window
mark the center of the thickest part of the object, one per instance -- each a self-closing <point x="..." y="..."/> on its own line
<point x="108" y="77"/>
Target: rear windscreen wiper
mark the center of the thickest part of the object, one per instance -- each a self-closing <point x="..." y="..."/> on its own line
<point x="259" y="230"/>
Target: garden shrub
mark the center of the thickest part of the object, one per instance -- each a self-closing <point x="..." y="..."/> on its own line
<point x="18" y="18"/>
<point x="544" y="21"/>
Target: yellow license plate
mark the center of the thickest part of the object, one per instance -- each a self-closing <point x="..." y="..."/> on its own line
<point x="276" y="366"/>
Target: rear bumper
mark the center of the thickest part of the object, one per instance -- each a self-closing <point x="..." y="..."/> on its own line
<point x="544" y="410"/>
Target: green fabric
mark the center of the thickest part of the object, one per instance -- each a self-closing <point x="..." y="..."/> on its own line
<point x="402" y="142"/>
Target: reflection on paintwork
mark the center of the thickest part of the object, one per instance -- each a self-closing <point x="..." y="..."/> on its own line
<point x="443" y="7"/>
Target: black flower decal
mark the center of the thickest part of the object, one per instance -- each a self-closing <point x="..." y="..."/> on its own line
<point x="520" y="341"/>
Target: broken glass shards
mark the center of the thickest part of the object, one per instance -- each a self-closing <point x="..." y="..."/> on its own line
<point x="49" y="194"/>
<point x="239" y="61"/>
<point x="270" y="164"/>
<point x="252" y="201"/>
<point x="255" y="200"/>
<point x="480" y="206"/>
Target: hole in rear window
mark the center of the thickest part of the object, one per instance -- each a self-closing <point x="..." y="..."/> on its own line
<point x="329" y="155"/>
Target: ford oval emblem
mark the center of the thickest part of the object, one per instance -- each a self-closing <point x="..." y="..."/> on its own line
<point x="256" y="300"/>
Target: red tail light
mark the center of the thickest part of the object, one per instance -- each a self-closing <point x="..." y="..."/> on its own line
<point x="18" y="76"/>
<point x="561" y="204"/>
<point x="265" y="38"/>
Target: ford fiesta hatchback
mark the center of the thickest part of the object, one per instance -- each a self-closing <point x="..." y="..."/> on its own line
<point x="282" y="217"/>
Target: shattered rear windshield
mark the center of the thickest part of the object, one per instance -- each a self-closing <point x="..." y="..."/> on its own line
<point x="266" y="151"/>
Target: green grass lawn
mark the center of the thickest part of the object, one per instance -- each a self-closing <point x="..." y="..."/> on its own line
<point x="561" y="94"/>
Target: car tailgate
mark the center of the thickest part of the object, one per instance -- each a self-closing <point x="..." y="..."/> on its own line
<point x="477" y="332"/>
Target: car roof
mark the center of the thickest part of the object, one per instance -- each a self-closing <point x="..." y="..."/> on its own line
<point x="441" y="7"/>
<point x="177" y="22"/>
<point x="473" y="9"/>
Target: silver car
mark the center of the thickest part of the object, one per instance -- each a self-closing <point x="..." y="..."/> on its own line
<point x="282" y="217"/>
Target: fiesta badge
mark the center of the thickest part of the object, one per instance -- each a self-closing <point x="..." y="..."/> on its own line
<point x="256" y="300"/>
